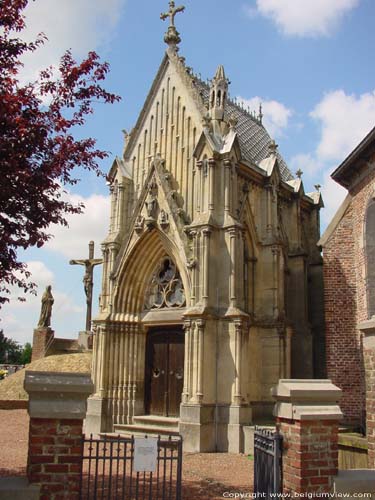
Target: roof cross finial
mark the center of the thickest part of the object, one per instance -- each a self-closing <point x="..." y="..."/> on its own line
<point x="299" y="173"/>
<point x="172" y="36"/>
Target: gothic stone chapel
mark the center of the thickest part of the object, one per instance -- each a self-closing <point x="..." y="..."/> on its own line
<point x="212" y="279"/>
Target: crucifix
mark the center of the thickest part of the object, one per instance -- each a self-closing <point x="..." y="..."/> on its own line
<point x="171" y="13"/>
<point x="88" y="282"/>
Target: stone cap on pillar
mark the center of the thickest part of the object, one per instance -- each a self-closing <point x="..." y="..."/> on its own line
<point x="58" y="395"/>
<point x="368" y="328"/>
<point x="303" y="399"/>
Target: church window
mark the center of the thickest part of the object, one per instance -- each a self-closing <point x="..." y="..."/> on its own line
<point x="370" y="256"/>
<point x="166" y="288"/>
<point x="218" y="102"/>
<point x="213" y="99"/>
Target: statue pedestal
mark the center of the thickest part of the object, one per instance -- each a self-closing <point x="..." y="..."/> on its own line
<point x="85" y="340"/>
<point x="42" y="339"/>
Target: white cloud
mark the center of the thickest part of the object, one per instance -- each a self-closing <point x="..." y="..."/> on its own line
<point x="18" y="319"/>
<point x="275" y="114"/>
<point x="305" y="162"/>
<point x="81" y="25"/>
<point x="333" y="195"/>
<point x="72" y="241"/>
<point x="344" y="121"/>
<point x="304" y="17"/>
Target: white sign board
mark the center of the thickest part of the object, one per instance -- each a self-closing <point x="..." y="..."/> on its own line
<point x="145" y="454"/>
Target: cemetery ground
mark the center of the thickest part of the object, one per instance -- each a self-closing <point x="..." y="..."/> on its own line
<point x="204" y="475"/>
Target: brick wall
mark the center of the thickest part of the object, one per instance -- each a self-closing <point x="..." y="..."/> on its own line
<point x="41" y="338"/>
<point x="54" y="461"/>
<point x="310" y="458"/>
<point x="369" y="355"/>
<point x="345" y="302"/>
<point x="14" y="404"/>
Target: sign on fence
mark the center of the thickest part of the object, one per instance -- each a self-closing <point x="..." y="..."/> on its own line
<point x="145" y="454"/>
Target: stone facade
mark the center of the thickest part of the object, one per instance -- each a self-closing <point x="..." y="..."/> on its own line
<point x="347" y="282"/>
<point x="210" y="235"/>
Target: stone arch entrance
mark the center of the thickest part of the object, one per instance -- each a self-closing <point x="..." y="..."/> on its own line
<point x="164" y="372"/>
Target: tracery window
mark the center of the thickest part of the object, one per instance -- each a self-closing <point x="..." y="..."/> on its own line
<point x="370" y="257"/>
<point x="166" y="288"/>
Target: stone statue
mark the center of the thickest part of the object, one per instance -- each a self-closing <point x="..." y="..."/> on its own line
<point x="46" y="309"/>
<point x="88" y="283"/>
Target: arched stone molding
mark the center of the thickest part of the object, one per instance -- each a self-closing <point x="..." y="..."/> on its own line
<point x="135" y="274"/>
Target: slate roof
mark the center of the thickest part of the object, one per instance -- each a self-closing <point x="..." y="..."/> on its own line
<point x="253" y="137"/>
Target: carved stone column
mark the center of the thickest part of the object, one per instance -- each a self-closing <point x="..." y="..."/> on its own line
<point x="187" y="362"/>
<point x="200" y="358"/>
<point x="120" y="206"/>
<point x="275" y="257"/>
<point x="233" y="258"/>
<point x="206" y="270"/>
<point x="113" y="195"/>
<point x="211" y="184"/>
<point x="199" y="179"/>
<point x="237" y="397"/>
<point x="227" y="186"/>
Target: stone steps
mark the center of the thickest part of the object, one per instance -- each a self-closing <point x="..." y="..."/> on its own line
<point x="149" y="425"/>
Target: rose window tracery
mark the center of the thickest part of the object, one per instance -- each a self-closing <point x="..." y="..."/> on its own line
<point x="166" y="288"/>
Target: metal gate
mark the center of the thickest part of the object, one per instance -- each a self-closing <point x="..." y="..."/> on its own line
<point x="267" y="462"/>
<point x="108" y="470"/>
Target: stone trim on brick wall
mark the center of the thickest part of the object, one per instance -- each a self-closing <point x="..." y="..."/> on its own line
<point x="308" y="414"/>
<point x="57" y="407"/>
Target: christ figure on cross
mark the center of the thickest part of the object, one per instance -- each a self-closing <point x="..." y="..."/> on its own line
<point x="88" y="282"/>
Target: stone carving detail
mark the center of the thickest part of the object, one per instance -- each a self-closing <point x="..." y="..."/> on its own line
<point x="139" y="224"/>
<point x="166" y="289"/>
<point x="151" y="200"/>
<point x="163" y="219"/>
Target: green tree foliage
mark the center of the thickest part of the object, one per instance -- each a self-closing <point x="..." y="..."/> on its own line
<point x="10" y="350"/>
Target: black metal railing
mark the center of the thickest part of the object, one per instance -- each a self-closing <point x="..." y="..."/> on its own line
<point x="267" y="462"/>
<point x="108" y="470"/>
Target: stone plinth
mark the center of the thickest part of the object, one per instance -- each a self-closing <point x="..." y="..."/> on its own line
<point x="57" y="407"/>
<point x="42" y="338"/>
<point x="308" y="414"/>
<point x="368" y="328"/>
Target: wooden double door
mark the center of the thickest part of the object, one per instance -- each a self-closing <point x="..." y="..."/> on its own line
<point x="164" y="372"/>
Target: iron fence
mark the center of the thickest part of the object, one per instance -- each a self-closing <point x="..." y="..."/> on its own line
<point x="267" y="462"/>
<point x="108" y="471"/>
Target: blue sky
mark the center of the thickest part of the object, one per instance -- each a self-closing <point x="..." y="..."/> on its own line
<point x="309" y="62"/>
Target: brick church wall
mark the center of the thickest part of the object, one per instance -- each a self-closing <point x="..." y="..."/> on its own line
<point x="346" y="301"/>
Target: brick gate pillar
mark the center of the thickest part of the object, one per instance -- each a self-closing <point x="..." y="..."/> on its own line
<point x="368" y="328"/>
<point x="308" y="415"/>
<point x="57" y="407"/>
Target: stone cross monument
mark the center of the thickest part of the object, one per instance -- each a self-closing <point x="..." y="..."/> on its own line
<point x="172" y="37"/>
<point x="88" y="282"/>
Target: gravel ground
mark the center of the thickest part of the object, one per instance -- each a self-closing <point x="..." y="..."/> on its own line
<point x="206" y="476"/>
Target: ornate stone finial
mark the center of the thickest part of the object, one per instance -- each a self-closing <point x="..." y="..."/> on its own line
<point x="218" y="94"/>
<point x="172" y="36"/>
<point x="232" y="122"/>
<point x="126" y="138"/>
<point x="272" y="148"/>
<point x="317" y="187"/>
<point x="260" y="114"/>
<point x="299" y="173"/>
